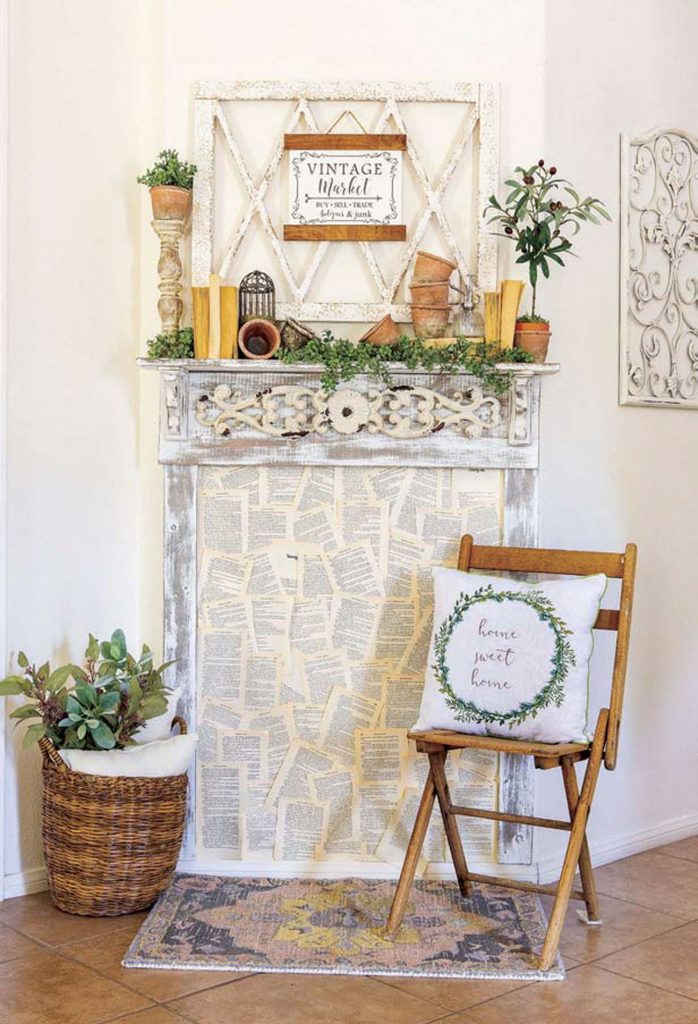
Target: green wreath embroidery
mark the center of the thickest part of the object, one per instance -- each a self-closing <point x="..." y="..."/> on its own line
<point x="561" y="661"/>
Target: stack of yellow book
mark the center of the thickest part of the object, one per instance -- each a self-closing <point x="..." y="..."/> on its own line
<point x="501" y="311"/>
<point x="215" y="317"/>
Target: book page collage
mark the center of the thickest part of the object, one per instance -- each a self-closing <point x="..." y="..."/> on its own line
<point x="314" y="623"/>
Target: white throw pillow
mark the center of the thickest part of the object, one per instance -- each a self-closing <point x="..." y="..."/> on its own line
<point x="509" y="658"/>
<point x="147" y="761"/>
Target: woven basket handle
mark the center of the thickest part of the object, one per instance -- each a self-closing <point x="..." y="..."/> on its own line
<point x="51" y="754"/>
<point x="178" y="720"/>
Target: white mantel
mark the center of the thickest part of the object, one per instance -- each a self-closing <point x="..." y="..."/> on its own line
<point x="234" y="412"/>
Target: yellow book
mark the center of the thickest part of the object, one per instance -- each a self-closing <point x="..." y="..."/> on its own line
<point x="214" y="316"/>
<point x="200" y="304"/>
<point x="492" y="316"/>
<point x="199" y="315"/>
<point x="511" y="298"/>
<point x="229" y="322"/>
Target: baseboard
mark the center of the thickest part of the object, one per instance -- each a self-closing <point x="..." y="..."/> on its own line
<point x="605" y="851"/>
<point x="23" y="883"/>
<point x="342" y="869"/>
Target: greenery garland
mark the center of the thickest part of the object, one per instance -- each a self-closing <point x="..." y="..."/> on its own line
<point x="344" y="360"/>
<point x="563" y="658"/>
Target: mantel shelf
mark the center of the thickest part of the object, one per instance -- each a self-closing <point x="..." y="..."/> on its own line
<point x="237" y="411"/>
<point x="273" y="366"/>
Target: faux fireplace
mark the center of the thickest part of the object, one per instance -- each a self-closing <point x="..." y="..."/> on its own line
<point x="299" y="530"/>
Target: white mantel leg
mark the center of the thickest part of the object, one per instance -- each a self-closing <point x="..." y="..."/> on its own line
<point x="180" y="608"/>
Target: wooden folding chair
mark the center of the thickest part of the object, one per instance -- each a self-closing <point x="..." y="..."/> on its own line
<point x="604" y="747"/>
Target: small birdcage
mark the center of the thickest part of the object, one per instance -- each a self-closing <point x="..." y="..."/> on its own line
<point x="257" y="297"/>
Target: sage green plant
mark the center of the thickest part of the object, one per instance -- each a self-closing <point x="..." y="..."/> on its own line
<point x="100" y="706"/>
<point x="539" y="214"/>
<point x="168" y="169"/>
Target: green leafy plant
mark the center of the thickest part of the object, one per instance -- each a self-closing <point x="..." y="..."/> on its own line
<point x="175" y="345"/>
<point x="96" y="707"/>
<point x="168" y="169"/>
<point x="343" y="359"/>
<point x="539" y="214"/>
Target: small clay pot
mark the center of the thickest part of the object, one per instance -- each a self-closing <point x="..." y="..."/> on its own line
<point x="533" y="338"/>
<point x="385" y="332"/>
<point x="430" y="321"/>
<point x="428" y="268"/>
<point x="170" y="202"/>
<point x="432" y="293"/>
<point x="258" y="339"/>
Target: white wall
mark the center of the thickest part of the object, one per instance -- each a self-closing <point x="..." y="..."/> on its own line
<point x="97" y="89"/>
<point x="73" y="480"/>
<point x="612" y="474"/>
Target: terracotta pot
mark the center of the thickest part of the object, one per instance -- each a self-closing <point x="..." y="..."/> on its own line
<point x="385" y="332"/>
<point x="170" y="202"/>
<point x="430" y="321"/>
<point x="258" y="339"/>
<point x="428" y="268"/>
<point x="533" y="338"/>
<point x="432" y="293"/>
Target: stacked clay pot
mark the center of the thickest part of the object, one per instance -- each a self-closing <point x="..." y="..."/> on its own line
<point x="429" y="289"/>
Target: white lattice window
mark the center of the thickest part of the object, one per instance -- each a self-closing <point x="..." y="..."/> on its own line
<point x="240" y="194"/>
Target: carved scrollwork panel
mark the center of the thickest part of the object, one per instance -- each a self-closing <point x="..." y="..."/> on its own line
<point x="659" y="282"/>
<point x="402" y="411"/>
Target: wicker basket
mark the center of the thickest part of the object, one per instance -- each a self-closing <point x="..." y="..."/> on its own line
<point x="110" y="844"/>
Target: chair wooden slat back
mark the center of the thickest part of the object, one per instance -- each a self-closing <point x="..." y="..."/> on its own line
<point x="573" y="563"/>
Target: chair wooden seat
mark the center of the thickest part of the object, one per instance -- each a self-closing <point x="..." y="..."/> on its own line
<point x="455" y="740"/>
<point x="436" y="744"/>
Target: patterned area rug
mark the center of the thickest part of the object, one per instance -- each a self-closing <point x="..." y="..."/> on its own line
<point x="336" y="927"/>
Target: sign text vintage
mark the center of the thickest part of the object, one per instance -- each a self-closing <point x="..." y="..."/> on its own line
<point x="345" y="187"/>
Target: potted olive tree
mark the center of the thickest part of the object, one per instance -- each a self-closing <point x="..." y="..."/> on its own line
<point x="541" y="214"/>
<point x="170" y="181"/>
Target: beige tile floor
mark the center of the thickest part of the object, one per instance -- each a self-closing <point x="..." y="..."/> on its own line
<point x="640" y="966"/>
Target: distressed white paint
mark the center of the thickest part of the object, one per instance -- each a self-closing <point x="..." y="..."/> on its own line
<point x="499" y="432"/>
<point x="187" y="441"/>
<point x="482" y="102"/>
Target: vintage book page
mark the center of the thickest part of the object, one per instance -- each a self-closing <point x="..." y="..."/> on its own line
<point x="315" y="606"/>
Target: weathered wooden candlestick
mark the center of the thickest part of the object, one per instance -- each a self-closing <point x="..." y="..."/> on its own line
<point x="170" y="272"/>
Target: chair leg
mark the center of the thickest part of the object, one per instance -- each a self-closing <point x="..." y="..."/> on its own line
<point x="585" y="869"/>
<point x="437" y="761"/>
<point x="414" y="849"/>
<point x="574" y="846"/>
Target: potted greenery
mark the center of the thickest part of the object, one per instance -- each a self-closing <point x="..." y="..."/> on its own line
<point x="111" y="839"/>
<point x="98" y="707"/>
<point x="170" y="181"/>
<point x="539" y="214"/>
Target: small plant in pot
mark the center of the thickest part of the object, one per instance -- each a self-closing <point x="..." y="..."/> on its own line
<point x="170" y="181"/>
<point x="541" y="214"/>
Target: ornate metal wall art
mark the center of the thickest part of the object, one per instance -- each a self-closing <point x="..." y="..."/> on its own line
<point x="403" y="411"/>
<point x="659" y="270"/>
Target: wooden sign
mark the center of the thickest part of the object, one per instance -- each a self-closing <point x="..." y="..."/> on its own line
<point x="345" y="188"/>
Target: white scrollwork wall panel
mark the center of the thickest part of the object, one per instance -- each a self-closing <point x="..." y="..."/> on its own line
<point x="659" y="272"/>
